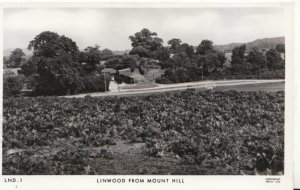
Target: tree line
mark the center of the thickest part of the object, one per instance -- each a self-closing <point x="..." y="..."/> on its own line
<point x="58" y="67"/>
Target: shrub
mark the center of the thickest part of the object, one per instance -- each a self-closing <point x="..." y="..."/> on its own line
<point x="95" y="83"/>
<point x="12" y="85"/>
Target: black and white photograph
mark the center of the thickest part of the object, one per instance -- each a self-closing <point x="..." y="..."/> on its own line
<point x="144" y="91"/>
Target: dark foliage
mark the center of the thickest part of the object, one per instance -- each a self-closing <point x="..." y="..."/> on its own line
<point x="12" y="85"/>
<point x="219" y="132"/>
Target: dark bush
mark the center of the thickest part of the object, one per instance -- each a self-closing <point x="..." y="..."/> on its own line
<point x="12" y="85"/>
<point x="95" y="83"/>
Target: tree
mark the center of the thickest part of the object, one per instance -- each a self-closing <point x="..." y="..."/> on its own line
<point x="186" y="48"/>
<point x="238" y="55"/>
<point x="222" y="59"/>
<point x="29" y="67"/>
<point x="257" y="59"/>
<point x="58" y="76"/>
<point x="114" y="63"/>
<point x="161" y="54"/>
<point x="174" y="44"/>
<point x="208" y="63"/>
<point x="92" y="57"/>
<point x="204" y="47"/>
<point x="180" y="59"/>
<point x="106" y="54"/>
<point x="16" y="58"/>
<point x="50" y="44"/>
<point x="130" y="61"/>
<point x="274" y="59"/>
<point x="147" y="40"/>
<point x="239" y="64"/>
<point x="57" y="64"/>
<point x="140" y="51"/>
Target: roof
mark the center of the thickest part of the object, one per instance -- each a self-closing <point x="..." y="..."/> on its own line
<point x="126" y="72"/>
<point x="108" y="70"/>
<point x="137" y="76"/>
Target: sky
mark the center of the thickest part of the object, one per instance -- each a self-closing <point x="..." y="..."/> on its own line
<point x="111" y="27"/>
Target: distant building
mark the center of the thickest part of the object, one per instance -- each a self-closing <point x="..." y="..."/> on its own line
<point x="11" y="71"/>
<point x="110" y="71"/>
<point x="128" y="77"/>
<point x="228" y="59"/>
<point x="103" y="62"/>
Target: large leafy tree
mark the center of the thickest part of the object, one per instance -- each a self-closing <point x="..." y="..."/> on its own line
<point x="57" y="64"/>
<point x="58" y="76"/>
<point x="146" y="41"/>
<point x="50" y="44"/>
<point x="208" y="59"/>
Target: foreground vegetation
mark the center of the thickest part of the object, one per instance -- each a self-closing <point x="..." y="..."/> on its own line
<point x="175" y="133"/>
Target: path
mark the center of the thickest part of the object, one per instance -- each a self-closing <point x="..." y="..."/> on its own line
<point x="200" y="85"/>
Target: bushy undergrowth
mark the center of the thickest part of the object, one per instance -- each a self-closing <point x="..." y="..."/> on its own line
<point x="229" y="132"/>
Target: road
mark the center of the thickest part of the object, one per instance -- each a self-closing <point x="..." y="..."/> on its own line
<point x="220" y="85"/>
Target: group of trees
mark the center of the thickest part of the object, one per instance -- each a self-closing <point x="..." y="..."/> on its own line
<point x="182" y="63"/>
<point x="256" y="61"/>
<point x="58" y="67"/>
<point x="189" y="64"/>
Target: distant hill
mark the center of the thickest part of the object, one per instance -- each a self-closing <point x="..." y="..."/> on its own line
<point x="117" y="52"/>
<point x="260" y="43"/>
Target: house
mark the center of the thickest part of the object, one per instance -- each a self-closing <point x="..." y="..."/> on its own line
<point x="129" y="77"/>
